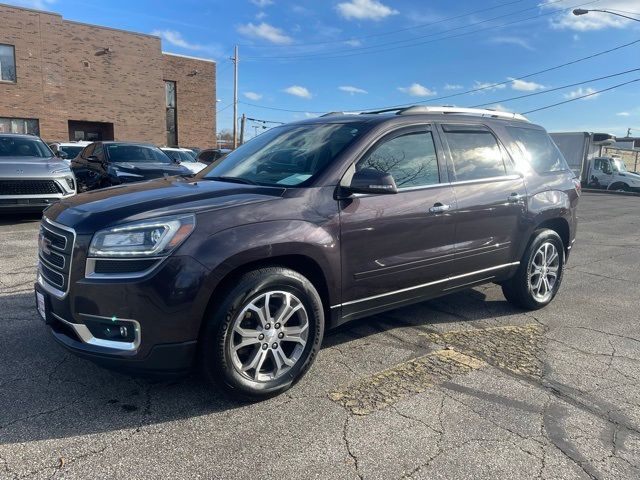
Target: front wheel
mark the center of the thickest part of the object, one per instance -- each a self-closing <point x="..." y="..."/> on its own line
<point x="539" y="275"/>
<point x="264" y="335"/>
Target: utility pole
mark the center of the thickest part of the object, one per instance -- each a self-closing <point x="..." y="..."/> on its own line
<point x="235" y="97"/>
<point x="242" y="124"/>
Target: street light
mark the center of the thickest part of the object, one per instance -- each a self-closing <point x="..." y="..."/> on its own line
<point x="582" y="11"/>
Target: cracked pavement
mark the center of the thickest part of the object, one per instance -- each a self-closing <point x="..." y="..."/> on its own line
<point x="465" y="386"/>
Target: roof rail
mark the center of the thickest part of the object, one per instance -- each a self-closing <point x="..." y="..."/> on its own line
<point x="333" y="114"/>
<point x="482" y="112"/>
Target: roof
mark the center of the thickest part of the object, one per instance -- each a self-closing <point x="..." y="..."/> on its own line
<point x="431" y="114"/>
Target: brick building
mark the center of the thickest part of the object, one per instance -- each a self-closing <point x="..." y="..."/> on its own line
<point x="68" y="80"/>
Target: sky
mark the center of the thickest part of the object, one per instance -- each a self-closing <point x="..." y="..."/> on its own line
<point x="299" y="58"/>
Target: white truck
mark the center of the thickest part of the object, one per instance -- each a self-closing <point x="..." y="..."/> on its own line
<point x="583" y="153"/>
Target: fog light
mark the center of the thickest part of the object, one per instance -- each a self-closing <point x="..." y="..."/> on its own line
<point x="112" y="329"/>
<point x="70" y="182"/>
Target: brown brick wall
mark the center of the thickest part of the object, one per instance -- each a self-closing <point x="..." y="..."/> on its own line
<point x="61" y="76"/>
<point x="195" y="95"/>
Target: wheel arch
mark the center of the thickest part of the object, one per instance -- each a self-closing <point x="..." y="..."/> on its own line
<point x="560" y="225"/>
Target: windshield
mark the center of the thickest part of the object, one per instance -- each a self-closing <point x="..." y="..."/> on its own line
<point x="288" y="155"/>
<point x="70" y="152"/>
<point x="136" y="154"/>
<point x="23" y="147"/>
<point x="619" y="165"/>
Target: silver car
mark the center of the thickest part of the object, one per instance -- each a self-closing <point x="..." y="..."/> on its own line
<point x="31" y="177"/>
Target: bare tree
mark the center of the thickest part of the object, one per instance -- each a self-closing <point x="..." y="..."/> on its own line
<point x="394" y="163"/>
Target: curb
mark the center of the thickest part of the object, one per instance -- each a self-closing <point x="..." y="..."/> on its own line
<point x="610" y="192"/>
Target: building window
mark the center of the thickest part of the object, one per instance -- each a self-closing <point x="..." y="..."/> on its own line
<point x="172" y="119"/>
<point x="7" y="63"/>
<point x="19" y="125"/>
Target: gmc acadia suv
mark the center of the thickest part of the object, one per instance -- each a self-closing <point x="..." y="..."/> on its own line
<point x="241" y="268"/>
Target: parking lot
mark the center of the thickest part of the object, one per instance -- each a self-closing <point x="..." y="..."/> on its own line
<point x="461" y="387"/>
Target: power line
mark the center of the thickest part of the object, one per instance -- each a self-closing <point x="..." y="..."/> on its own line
<point x="549" y="90"/>
<point x="390" y="32"/>
<point x="224" y="108"/>
<point x="372" y="48"/>
<point x="597" y="92"/>
<point x="474" y="90"/>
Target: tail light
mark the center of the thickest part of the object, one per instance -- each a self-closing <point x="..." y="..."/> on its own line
<point x="578" y="185"/>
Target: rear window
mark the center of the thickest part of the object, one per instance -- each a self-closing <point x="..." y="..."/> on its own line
<point x="537" y="148"/>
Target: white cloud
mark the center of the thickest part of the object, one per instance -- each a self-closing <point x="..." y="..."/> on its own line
<point x="353" y="43"/>
<point x="35" y="4"/>
<point x="500" y="108"/>
<point x="592" y="20"/>
<point x="488" y="86"/>
<point x="364" y="10"/>
<point x="261" y="15"/>
<point x="253" y="95"/>
<point x="262" y="3"/>
<point x="449" y="86"/>
<point x="266" y="32"/>
<point x="623" y="114"/>
<point x="520" y="42"/>
<point x="352" y="90"/>
<point x="298" y="91"/>
<point x="582" y="91"/>
<point x="524" y="86"/>
<point x="176" y="39"/>
<point x="417" y="90"/>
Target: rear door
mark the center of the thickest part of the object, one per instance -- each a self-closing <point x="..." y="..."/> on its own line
<point x="397" y="248"/>
<point x="491" y="203"/>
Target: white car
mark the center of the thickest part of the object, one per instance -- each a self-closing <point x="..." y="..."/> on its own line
<point x="67" y="151"/>
<point x="186" y="157"/>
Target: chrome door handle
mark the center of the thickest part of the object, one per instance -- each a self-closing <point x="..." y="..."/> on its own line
<point x="515" y="198"/>
<point x="439" y="208"/>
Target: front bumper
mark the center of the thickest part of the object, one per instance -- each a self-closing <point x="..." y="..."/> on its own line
<point x="166" y="305"/>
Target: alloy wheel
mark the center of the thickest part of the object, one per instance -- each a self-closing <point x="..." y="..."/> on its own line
<point x="543" y="271"/>
<point x="269" y="335"/>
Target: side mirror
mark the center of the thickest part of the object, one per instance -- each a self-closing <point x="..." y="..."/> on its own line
<point x="93" y="159"/>
<point x="61" y="154"/>
<point x="372" y="181"/>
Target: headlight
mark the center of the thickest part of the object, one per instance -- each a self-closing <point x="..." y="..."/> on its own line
<point x="147" y="238"/>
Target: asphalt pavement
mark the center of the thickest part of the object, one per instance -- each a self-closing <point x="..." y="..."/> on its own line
<point x="465" y="386"/>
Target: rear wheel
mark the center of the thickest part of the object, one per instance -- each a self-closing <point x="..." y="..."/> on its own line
<point x="539" y="275"/>
<point x="264" y="335"/>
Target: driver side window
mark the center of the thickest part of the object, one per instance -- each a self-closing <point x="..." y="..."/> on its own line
<point x="410" y="158"/>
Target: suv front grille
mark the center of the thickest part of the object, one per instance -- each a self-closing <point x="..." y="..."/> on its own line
<point x="55" y="251"/>
<point x="29" y="187"/>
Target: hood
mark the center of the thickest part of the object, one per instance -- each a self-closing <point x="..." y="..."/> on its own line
<point x="97" y="209"/>
<point x="16" y="167"/>
<point x="151" y="170"/>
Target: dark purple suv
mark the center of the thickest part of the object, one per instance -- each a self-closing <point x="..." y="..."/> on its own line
<point x="243" y="267"/>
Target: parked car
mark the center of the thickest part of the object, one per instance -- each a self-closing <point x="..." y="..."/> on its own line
<point x="31" y="177"/>
<point x="210" y="155"/>
<point x="186" y="157"/>
<point x="242" y="268"/>
<point x="105" y="164"/>
<point x="67" y="150"/>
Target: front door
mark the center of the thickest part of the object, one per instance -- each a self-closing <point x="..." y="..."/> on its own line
<point x="491" y="204"/>
<point x="398" y="248"/>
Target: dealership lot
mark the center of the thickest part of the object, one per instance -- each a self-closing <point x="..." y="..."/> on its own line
<point x="461" y="387"/>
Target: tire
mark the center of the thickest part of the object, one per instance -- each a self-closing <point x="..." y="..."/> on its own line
<point x="527" y="289"/>
<point x="253" y="355"/>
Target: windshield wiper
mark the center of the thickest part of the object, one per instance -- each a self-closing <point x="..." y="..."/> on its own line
<point x="225" y="178"/>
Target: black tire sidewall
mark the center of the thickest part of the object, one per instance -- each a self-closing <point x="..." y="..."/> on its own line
<point x="215" y="356"/>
